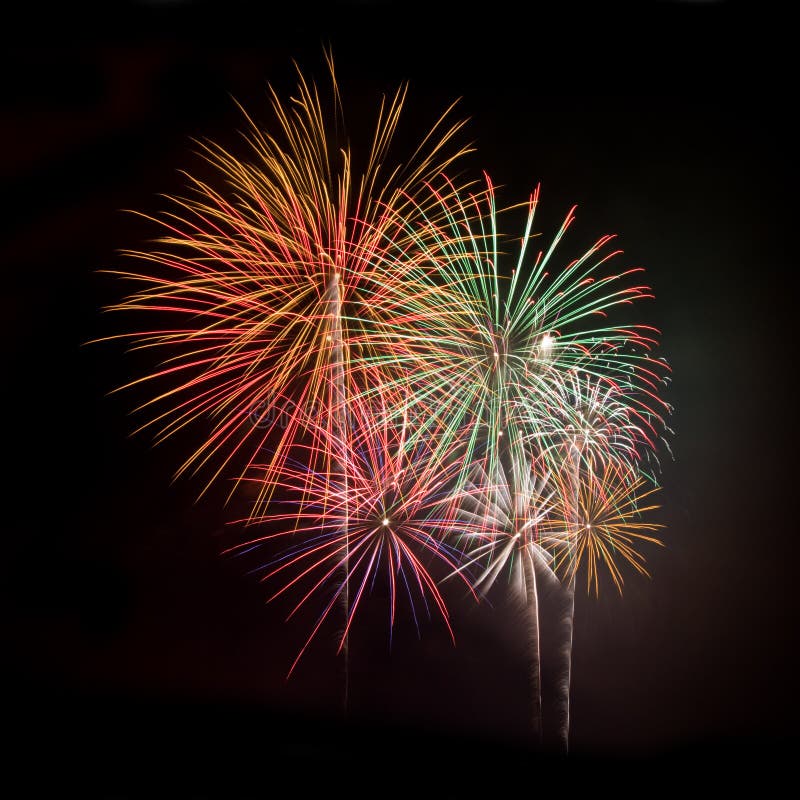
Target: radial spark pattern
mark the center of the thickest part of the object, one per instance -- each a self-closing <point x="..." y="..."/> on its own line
<point x="266" y="287"/>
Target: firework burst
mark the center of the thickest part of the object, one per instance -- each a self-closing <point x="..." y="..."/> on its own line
<point x="588" y="423"/>
<point x="392" y="515"/>
<point x="506" y="510"/>
<point x="265" y="284"/>
<point x="606" y="529"/>
<point x="496" y="355"/>
<point x="404" y="398"/>
<point x="527" y="359"/>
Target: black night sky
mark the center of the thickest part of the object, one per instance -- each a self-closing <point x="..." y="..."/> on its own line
<point x="134" y="650"/>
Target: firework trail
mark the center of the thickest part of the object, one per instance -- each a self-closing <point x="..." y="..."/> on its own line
<point x="507" y="510"/>
<point x="572" y="506"/>
<point x="392" y="515"/>
<point x="338" y="414"/>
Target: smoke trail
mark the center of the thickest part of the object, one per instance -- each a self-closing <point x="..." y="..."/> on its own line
<point x="338" y="422"/>
<point x="566" y="625"/>
<point x="532" y="608"/>
<point x="568" y="617"/>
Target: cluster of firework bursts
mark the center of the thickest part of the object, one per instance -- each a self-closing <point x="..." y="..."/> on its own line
<point x="405" y="395"/>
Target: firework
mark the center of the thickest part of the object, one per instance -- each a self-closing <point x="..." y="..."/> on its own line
<point x="268" y="296"/>
<point x="263" y="284"/>
<point x="596" y="522"/>
<point x="389" y="514"/>
<point x="403" y="397"/>
<point x="496" y="354"/>
<point x="590" y="421"/>
<point x="527" y="359"/>
<point x="507" y="510"/>
<point x="604" y="531"/>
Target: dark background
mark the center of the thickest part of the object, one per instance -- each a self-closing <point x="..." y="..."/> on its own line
<point x="133" y="648"/>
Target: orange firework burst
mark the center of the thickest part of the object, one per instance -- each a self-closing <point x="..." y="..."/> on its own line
<point x="605" y="529"/>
